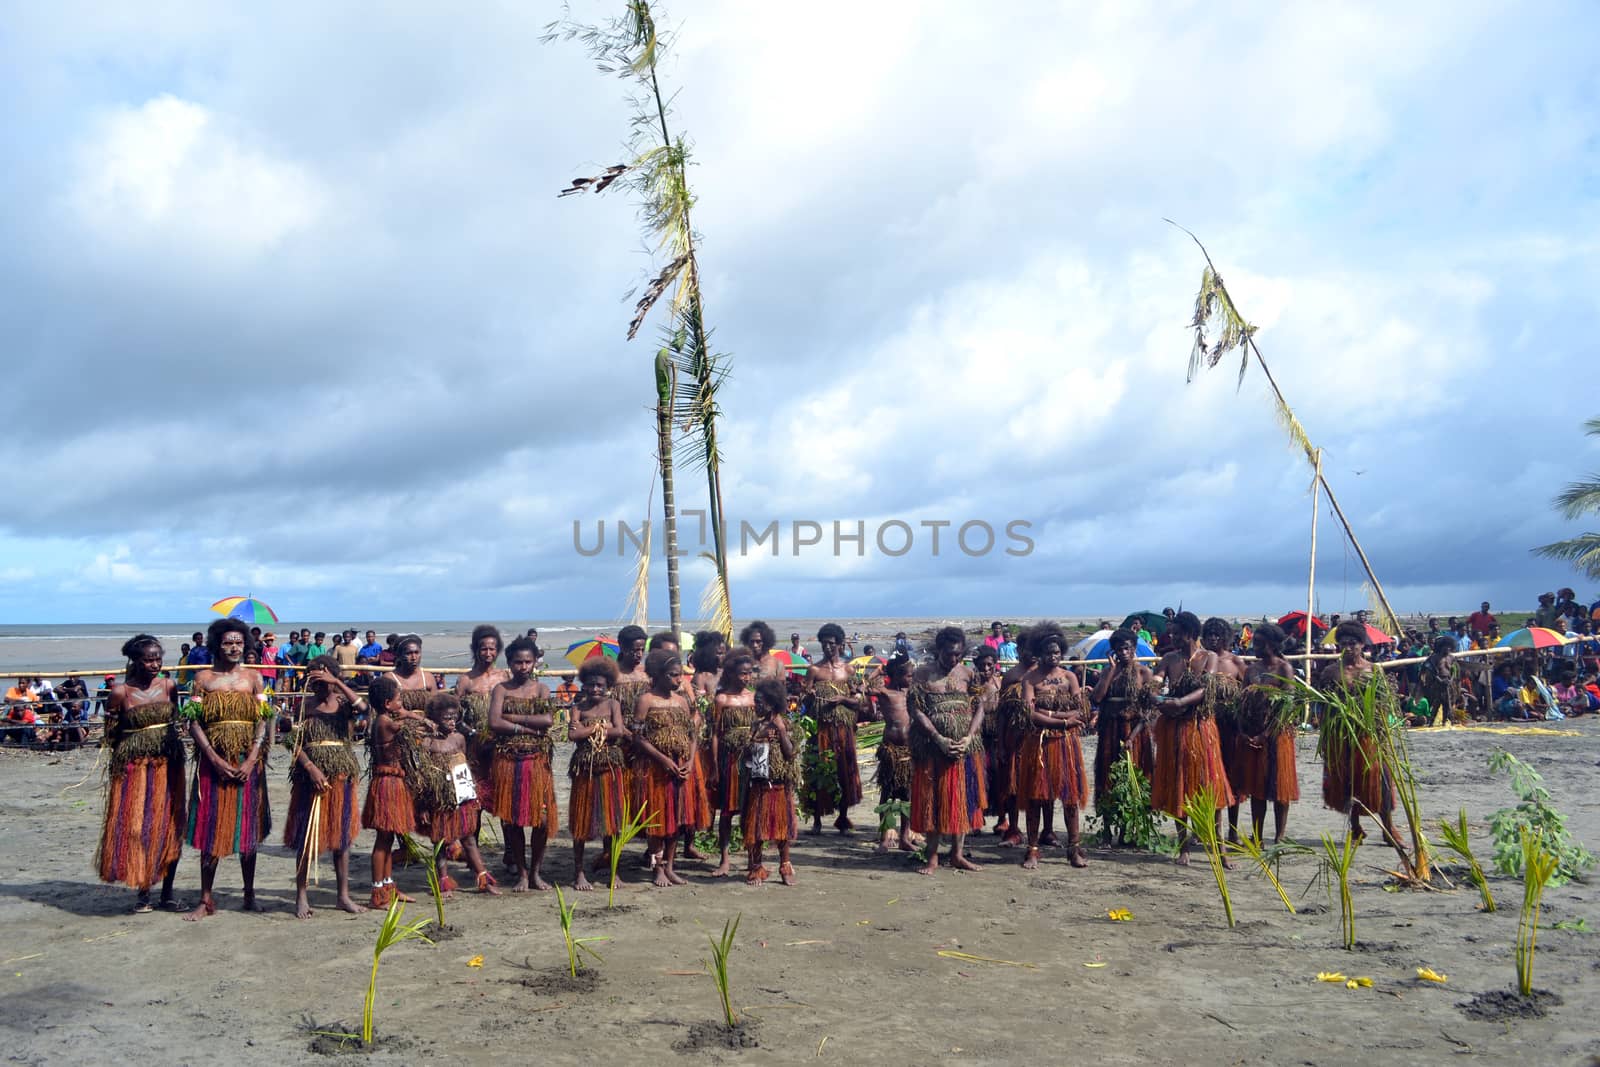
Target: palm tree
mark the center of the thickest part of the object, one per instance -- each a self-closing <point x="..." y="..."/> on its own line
<point x="1576" y="500"/>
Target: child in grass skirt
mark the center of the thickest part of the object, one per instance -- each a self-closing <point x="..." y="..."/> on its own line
<point x="769" y="794"/>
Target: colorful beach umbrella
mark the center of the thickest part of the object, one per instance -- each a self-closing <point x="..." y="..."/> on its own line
<point x="1375" y="636"/>
<point x="245" y="608"/>
<point x="1294" y="624"/>
<point x="864" y="662"/>
<point x="795" y="664"/>
<point x="1153" y="621"/>
<point x="602" y="645"/>
<point x="1532" y="637"/>
<point x="1101" y="649"/>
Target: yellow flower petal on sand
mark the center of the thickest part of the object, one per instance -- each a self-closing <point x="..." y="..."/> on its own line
<point x="1120" y="915"/>
<point x="476" y="961"/>
<point x="1427" y="974"/>
<point x="1359" y="983"/>
<point x="1330" y="976"/>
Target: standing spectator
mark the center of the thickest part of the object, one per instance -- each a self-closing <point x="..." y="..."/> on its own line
<point x="198" y="655"/>
<point x="103" y="694"/>
<point x="318" y="646"/>
<point x="1008" y="647"/>
<point x="386" y="657"/>
<point x="346" y="653"/>
<point x="796" y="649"/>
<point x="299" y="645"/>
<point x="1567" y="604"/>
<point x="369" y="652"/>
<point x="1459" y="630"/>
<point x="1546" y="613"/>
<point x="271" y="656"/>
<point x="1480" y="622"/>
<point x="995" y="637"/>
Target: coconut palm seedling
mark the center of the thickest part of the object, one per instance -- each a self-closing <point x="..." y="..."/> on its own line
<point x="575" y="945"/>
<point x="632" y="823"/>
<point x="430" y="862"/>
<point x="1200" y="814"/>
<point x="1538" y="866"/>
<point x="720" y="950"/>
<point x="1266" y="861"/>
<point x="391" y="933"/>
<point x="1455" y="839"/>
<point x="1336" y="859"/>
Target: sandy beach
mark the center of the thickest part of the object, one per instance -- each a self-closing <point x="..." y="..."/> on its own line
<point x="843" y="967"/>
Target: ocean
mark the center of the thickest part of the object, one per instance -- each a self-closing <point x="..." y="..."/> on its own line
<point x="44" y="650"/>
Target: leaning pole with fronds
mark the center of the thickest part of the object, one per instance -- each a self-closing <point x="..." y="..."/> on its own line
<point x="630" y="46"/>
<point x="1214" y="309"/>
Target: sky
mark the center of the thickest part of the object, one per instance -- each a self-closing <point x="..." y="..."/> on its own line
<point x="292" y="307"/>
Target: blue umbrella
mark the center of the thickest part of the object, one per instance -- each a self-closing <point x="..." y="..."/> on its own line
<point x="1101" y="649"/>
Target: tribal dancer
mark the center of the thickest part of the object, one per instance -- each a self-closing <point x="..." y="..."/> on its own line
<point x="1188" y="754"/>
<point x="228" y="809"/>
<point x="522" y="790"/>
<point x="672" y="786"/>
<point x="323" y="777"/>
<point x="733" y="714"/>
<point x="416" y="684"/>
<point x="142" y="836"/>
<point x="710" y="650"/>
<point x="1011" y="722"/>
<point x="451" y="821"/>
<point x="598" y="804"/>
<point x="1124" y="693"/>
<point x="757" y="639"/>
<point x="473" y="690"/>
<point x="1354" y="779"/>
<point x="1266" y="741"/>
<point x="768" y="814"/>
<point x="947" y="796"/>
<point x="894" y="755"/>
<point x="1217" y="636"/>
<point x="389" y="808"/>
<point x="836" y="702"/>
<point x="1049" y="761"/>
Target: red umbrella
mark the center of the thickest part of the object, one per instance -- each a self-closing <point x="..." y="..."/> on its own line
<point x="1294" y="624"/>
<point x="1375" y="636"/>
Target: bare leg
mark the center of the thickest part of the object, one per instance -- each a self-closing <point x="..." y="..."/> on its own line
<point x="932" y="846"/>
<point x="208" y="879"/>
<point x="958" y="855"/>
<point x="1258" y="816"/>
<point x="1030" y="858"/>
<point x="724" y="836"/>
<point x="658" y="848"/>
<point x="516" y="849"/>
<point x="341" y="874"/>
<point x="1074" y="843"/>
<point x="1047" y="837"/>
<point x="689" y="851"/>
<point x="167" y="900"/>
<point x="247" y="868"/>
<point x="1227" y="864"/>
<point x="785" y="868"/>
<point x="1280" y="821"/>
<point x="754" y="873"/>
<point x="302" y="902"/>
<point x="1233" y="822"/>
<point x="580" y="881"/>
<point x="538" y="838"/>
<point x="669" y="864"/>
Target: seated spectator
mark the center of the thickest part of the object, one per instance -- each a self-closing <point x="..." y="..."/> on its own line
<point x="21" y="713"/>
<point x="566" y="692"/>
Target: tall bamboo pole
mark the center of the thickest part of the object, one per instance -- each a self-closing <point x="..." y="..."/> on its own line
<point x="1310" y="450"/>
<point x="666" y="381"/>
<point x="1311" y="573"/>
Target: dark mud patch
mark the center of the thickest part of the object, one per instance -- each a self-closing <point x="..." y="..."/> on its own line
<point x="717" y="1037"/>
<point x="1499" y="1005"/>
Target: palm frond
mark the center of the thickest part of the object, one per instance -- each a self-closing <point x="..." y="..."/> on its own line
<point x="1579" y="498"/>
<point x="597" y="184"/>
<point x="1292" y="427"/>
<point x="1218" y="327"/>
<point x="715" y="606"/>
<point x="1583" y="552"/>
<point x="1592" y="426"/>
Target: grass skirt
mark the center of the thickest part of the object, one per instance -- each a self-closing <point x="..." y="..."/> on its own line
<point x="460" y="821"/>
<point x="947" y="797"/>
<point x="1188" y="756"/>
<point x="839" y="738"/>
<point x="141" y="836"/>
<point x="339" y="820"/>
<point x="1353" y="779"/>
<point x="389" y="806"/>
<point x="594" y="810"/>
<point x="522" y="791"/>
<point x="1265" y="773"/>
<point x="728" y="791"/>
<point x="894" y="772"/>
<point x="1115" y="732"/>
<point x="228" y="817"/>
<point x="769" y="813"/>
<point x="673" y="804"/>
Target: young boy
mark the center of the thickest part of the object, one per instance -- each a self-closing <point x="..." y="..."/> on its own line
<point x="894" y="752"/>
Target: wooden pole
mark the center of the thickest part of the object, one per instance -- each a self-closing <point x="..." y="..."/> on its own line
<point x="1311" y="572"/>
<point x="1394" y="620"/>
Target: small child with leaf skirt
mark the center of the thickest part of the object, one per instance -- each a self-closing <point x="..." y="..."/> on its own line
<point x="768" y="773"/>
<point x="389" y="808"/>
<point x="448" y="819"/>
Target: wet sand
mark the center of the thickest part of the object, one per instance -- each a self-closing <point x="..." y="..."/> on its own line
<point x="842" y="968"/>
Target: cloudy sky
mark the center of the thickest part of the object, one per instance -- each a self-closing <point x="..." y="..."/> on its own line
<point x="291" y="307"/>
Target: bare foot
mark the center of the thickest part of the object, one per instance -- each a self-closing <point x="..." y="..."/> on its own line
<point x="346" y="904"/>
<point x="206" y="907"/>
<point x="401" y="897"/>
<point x="522" y="883"/>
<point x="1182" y="859"/>
<point x="1078" y="859"/>
<point x="1227" y="864"/>
<point x="661" y="879"/>
<point x="933" y="865"/>
<point x="302" y="907"/>
<point x="1030" y="862"/>
<point x="249" y="904"/>
<point x="581" y="884"/>
<point x="722" y="868"/>
<point x="1011" y="840"/>
<point x="692" y="853"/>
<point x="815" y="831"/>
<point x="539" y="883"/>
<point x="961" y="863"/>
<point x="786" y="873"/>
<point x="1049" y="840"/>
<point x="843" y="825"/>
<point x="882" y="848"/>
<point x="675" y="878"/>
<point x="911" y="843"/>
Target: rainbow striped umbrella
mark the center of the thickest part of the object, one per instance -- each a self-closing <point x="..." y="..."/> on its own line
<point x="794" y="663"/>
<point x="245" y="608"/>
<point x="1532" y="637"/>
<point x="579" y="651"/>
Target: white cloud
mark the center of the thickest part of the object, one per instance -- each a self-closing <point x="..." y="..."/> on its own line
<point x="171" y="171"/>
